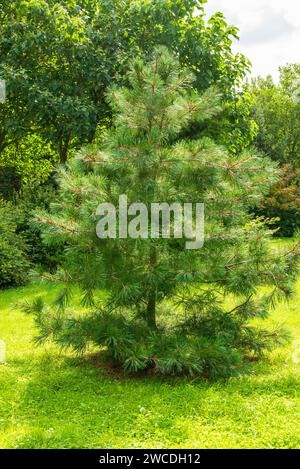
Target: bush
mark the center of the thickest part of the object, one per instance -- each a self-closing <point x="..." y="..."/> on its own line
<point x="14" y="262"/>
<point x="10" y="182"/>
<point x="35" y="198"/>
<point x="283" y="202"/>
<point x="21" y="243"/>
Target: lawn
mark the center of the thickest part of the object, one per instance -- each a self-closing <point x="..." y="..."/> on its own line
<point x="53" y="400"/>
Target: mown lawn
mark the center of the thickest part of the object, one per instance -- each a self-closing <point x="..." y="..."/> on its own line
<point x="49" y="400"/>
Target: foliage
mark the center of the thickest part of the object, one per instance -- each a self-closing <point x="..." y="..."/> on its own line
<point x="277" y="112"/>
<point x="10" y="182"/>
<point x="143" y="159"/>
<point x="283" y="202"/>
<point x="201" y="44"/>
<point x="33" y="198"/>
<point x="39" y="41"/>
<point x="21" y="240"/>
<point x="14" y="263"/>
<point x="31" y="159"/>
<point x="210" y="346"/>
<point x="59" y="58"/>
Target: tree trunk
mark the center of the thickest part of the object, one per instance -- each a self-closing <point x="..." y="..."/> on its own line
<point x="151" y="306"/>
<point x="151" y="310"/>
<point x="2" y="141"/>
<point x="91" y="135"/>
<point x="63" y="149"/>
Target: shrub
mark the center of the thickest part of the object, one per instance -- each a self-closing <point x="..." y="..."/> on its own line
<point x="33" y="198"/>
<point x="14" y="262"/>
<point x="283" y="202"/>
<point x="10" y="182"/>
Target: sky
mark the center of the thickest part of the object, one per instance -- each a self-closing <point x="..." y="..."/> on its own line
<point x="269" y="31"/>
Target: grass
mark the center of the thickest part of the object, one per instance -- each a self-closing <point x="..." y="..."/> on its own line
<point x="53" y="400"/>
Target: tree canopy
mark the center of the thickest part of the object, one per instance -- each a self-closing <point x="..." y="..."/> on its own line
<point x="276" y="109"/>
<point x="59" y="59"/>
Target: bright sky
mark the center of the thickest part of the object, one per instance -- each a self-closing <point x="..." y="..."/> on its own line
<point x="269" y="31"/>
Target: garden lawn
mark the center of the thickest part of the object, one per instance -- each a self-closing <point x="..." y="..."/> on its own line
<point x="53" y="400"/>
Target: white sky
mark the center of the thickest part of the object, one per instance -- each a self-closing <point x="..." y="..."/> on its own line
<point x="269" y="31"/>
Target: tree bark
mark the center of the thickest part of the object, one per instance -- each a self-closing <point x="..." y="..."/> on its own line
<point x="91" y="135"/>
<point x="151" y="306"/>
<point x="64" y="148"/>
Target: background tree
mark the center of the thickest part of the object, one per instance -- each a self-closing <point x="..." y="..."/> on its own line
<point x="42" y="46"/>
<point x="164" y="308"/>
<point x="59" y="59"/>
<point x="283" y="202"/>
<point x="276" y="110"/>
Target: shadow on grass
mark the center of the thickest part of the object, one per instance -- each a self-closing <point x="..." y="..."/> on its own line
<point x="68" y="403"/>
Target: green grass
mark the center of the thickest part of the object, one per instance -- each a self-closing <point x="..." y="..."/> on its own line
<point x="53" y="400"/>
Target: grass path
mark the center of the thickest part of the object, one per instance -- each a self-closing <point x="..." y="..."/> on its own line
<point x="48" y="400"/>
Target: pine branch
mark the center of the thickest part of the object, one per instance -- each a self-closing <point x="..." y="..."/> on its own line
<point x="241" y="305"/>
<point x="51" y="222"/>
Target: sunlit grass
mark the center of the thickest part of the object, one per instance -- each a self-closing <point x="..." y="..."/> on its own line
<point x="53" y="400"/>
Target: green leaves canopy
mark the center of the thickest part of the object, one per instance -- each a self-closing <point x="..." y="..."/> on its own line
<point x="59" y="58"/>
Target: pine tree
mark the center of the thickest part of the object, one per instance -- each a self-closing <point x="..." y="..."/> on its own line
<point x="165" y="307"/>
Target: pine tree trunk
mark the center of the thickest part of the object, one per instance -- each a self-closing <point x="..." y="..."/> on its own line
<point x="151" y="306"/>
<point x="151" y="310"/>
<point x="63" y="149"/>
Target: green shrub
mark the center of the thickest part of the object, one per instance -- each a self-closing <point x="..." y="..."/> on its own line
<point x="283" y="202"/>
<point x="14" y="263"/>
<point x="21" y="243"/>
<point x="33" y="198"/>
<point x="10" y="182"/>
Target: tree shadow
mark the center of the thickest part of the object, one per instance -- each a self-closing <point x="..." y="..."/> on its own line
<point x="68" y="403"/>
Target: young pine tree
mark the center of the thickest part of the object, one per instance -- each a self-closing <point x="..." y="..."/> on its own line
<point x="166" y="308"/>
